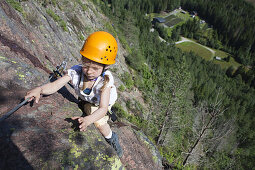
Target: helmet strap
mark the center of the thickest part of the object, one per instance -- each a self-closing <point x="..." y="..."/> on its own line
<point x="103" y="71"/>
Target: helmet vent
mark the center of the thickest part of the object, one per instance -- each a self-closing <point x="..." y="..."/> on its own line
<point x="106" y="49"/>
<point x="110" y="50"/>
<point x="109" y="46"/>
<point x="101" y="58"/>
<point x="104" y="56"/>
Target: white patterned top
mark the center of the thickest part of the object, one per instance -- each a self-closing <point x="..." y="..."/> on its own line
<point x="77" y="78"/>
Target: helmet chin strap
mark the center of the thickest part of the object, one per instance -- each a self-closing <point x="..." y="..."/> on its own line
<point x="103" y="71"/>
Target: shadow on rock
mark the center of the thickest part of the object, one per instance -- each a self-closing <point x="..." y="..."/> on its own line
<point x="65" y="92"/>
<point x="10" y="97"/>
<point x="2" y="97"/>
<point x="75" y="123"/>
<point x="41" y="143"/>
<point x="10" y="93"/>
<point x="10" y="154"/>
<point x="23" y="140"/>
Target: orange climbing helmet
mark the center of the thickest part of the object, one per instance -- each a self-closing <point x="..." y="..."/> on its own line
<point x="100" y="47"/>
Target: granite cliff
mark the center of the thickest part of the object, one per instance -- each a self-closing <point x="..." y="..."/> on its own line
<point x="35" y="37"/>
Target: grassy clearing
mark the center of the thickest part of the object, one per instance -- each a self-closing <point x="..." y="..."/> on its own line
<point x="224" y="64"/>
<point x="208" y="55"/>
<point x="184" y="17"/>
<point x="221" y="54"/>
<point x="197" y="49"/>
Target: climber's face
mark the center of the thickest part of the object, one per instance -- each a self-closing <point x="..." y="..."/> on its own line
<point x="91" y="69"/>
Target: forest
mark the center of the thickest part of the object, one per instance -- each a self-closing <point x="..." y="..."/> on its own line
<point x="201" y="116"/>
<point x="234" y="21"/>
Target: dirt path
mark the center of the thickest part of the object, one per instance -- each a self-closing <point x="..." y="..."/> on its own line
<point x="183" y="39"/>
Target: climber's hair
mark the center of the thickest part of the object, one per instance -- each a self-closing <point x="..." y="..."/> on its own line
<point x="106" y="77"/>
<point x="106" y="81"/>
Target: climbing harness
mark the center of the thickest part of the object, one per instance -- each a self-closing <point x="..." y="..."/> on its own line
<point x="112" y="115"/>
<point x="56" y="73"/>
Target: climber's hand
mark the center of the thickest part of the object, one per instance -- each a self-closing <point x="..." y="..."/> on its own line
<point x="34" y="94"/>
<point x="84" y="122"/>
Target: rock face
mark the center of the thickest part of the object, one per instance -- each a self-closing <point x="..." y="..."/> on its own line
<point x="33" y="42"/>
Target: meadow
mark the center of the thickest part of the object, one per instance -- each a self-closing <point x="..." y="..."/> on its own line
<point x="208" y="55"/>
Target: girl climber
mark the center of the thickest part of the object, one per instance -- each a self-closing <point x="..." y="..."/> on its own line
<point x="93" y="83"/>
